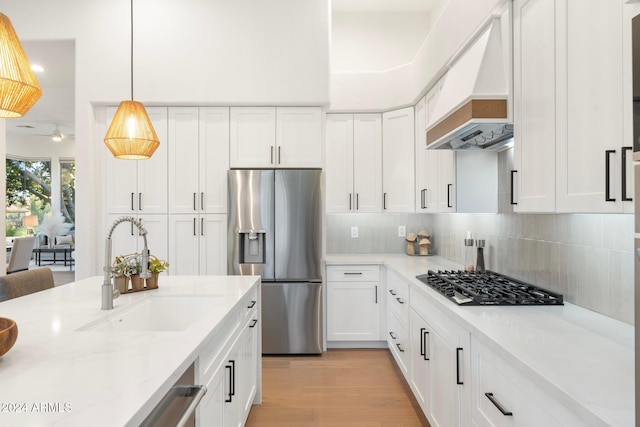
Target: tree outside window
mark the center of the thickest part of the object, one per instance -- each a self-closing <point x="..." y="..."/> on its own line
<point x="28" y="192"/>
<point x="68" y="190"/>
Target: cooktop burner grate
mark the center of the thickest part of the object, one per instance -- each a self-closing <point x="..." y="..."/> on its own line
<point x="487" y="288"/>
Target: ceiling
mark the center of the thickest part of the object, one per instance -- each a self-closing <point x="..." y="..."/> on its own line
<point x="56" y="106"/>
<point x="383" y="5"/>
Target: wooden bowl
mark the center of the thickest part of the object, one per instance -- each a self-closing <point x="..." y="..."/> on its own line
<point x="8" y="334"/>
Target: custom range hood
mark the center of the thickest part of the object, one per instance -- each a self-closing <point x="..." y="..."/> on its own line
<point x="470" y="110"/>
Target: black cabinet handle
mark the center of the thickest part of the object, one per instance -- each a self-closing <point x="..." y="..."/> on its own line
<point x="607" y="167"/>
<point x="624" y="174"/>
<point x="400" y="347"/>
<point x="458" y="380"/>
<point x="253" y="323"/>
<point x="132" y="202"/>
<point x="352" y="273"/>
<point x="271" y="156"/>
<point x="423" y="198"/>
<point x="229" y="395"/>
<point x="400" y="300"/>
<point x="513" y="172"/>
<point x="202" y="200"/>
<point x="350" y="197"/>
<point x="449" y="187"/>
<point x="392" y="335"/>
<point x="384" y="201"/>
<point x="139" y="201"/>
<point x="498" y="405"/>
<point x="425" y="338"/>
<point x="233" y="377"/>
<point x="194" y="227"/>
<point x="376" y="294"/>
<point x="279" y="156"/>
<point x="194" y="201"/>
<point x="357" y="201"/>
<point x="392" y="292"/>
<point x="422" y="350"/>
<point x="202" y="226"/>
<point x="252" y="304"/>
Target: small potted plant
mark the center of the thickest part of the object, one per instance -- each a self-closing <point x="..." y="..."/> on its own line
<point x="156" y="266"/>
<point x="121" y="271"/>
<point x="137" y="283"/>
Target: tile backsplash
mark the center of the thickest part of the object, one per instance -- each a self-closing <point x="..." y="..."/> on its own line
<point x="587" y="258"/>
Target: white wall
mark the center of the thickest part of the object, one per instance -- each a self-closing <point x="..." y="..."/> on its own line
<point x="381" y="91"/>
<point x="216" y="52"/>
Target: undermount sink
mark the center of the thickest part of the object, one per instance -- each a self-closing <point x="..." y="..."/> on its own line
<point x="158" y="313"/>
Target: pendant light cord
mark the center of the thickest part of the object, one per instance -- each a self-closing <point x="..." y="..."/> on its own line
<point x="132" y="50"/>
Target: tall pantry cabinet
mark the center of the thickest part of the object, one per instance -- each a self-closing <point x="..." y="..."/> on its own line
<point x="198" y="163"/>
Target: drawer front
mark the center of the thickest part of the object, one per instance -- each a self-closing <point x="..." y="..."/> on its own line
<point x="398" y="340"/>
<point x="504" y="396"/>
<point x="398" y="296"/>
<point x="353" y="273"/>
<point x="250" y="304"/>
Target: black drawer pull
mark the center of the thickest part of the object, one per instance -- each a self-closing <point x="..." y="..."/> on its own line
<point x="353" y="273"/>
<point x="400" y="347"/>
<point x="392" y="335"/>
<point x="513" y="200"/>
<point x="458" y="380"/>
<point x="607" y="172"/>
<point x="253" y="323"/>
<point x="425" y="338"/>
<point x="400" y="300"/>
<point x="624" y="174"/>
<point x="498" y="405"/>
<point x="392" y="292"/>
<point x="252" y="304"/>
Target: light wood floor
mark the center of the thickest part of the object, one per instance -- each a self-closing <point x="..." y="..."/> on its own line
<point x="341" y="388"/>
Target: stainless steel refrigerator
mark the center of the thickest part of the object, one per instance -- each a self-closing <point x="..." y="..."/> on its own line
<point x="275" y="231"/>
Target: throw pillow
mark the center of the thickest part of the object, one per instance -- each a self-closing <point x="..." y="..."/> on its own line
<point x="64" y="240"/>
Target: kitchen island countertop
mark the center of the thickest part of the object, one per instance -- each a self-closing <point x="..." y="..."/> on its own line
<point x="584" y="360"/>
<point x="61" y="372"/>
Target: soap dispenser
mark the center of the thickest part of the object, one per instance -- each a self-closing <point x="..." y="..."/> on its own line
<point x="480" y="255"/>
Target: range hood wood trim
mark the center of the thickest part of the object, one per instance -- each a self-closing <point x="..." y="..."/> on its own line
<point x="474" y="109"/>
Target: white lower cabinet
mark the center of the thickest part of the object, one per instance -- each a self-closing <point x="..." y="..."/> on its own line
<point x="353" y="303"/>
<point x="505" y="396"/>
<point x="229" y="366"/>
<point x="441" y="355"/>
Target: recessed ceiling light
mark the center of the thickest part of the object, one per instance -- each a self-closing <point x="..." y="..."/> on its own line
<point x="37" y="68"/>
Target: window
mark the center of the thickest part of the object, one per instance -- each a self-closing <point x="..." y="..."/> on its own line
<point x="68" y="190"/>
<point x="28" y="192"/>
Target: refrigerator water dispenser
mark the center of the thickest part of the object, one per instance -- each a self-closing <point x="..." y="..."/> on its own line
<point x="252" y="245"/>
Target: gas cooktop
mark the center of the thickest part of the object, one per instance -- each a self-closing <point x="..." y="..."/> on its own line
<point x="487" y="288"/>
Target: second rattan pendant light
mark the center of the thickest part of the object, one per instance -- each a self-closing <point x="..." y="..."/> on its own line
<point x="131" y="135"/>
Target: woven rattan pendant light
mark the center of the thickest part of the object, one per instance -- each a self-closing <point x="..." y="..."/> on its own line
<point x="19" y="88"/>
<point x="131" y="135"/>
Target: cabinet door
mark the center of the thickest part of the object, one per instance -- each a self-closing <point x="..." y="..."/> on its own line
<point x="397" y="160"/>
<point x="152" y="173"/>
<point x="339" y="164"/>
<point x="590" y="106"/>
<point x="367" y="162"/>
<point x="252" y="137"/>
<point x="211" y="410"/>
<point x="299" y="137"/>
<point x="212" y="243"/>
<point x="419" y="333"/>
<point x="534" y="106"/>
<point x="184" y="194"/>
<point x="121" y="181"/>
<point x="184" y="240"/>
<point x="234" y="416"/>
<point x="249" y="363"/>
<point x="422" y="165"/>
<point x="353" y="311"/>
<point x="213" y="159"/>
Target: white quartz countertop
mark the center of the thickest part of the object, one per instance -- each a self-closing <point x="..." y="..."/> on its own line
<point x="584" y="360"/>
<point x="57" y="373"/>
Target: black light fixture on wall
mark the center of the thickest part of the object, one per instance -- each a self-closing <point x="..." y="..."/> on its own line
<point x="131" y="135"/>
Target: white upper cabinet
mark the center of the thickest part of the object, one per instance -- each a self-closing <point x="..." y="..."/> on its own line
<point x="253" y="137"/>
<point x="354" y="163"/>
<point x="398" y="160"/>
<point x="422" y="169"/>
<point x="139" y="186"/>
<point x="198" y="160"/>
<point x="269" y="137"/>
<point x="198" y="244"/>
<point x="533" y="179"/>
<point x="571" y="115"/>
<point x="592" y="84"/>
<point x="299" y="137"/>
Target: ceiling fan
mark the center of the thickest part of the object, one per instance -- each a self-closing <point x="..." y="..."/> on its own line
<point x="58" y="136"/>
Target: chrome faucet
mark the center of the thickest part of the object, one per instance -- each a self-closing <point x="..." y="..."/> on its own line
<point x="109" y="291"/>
